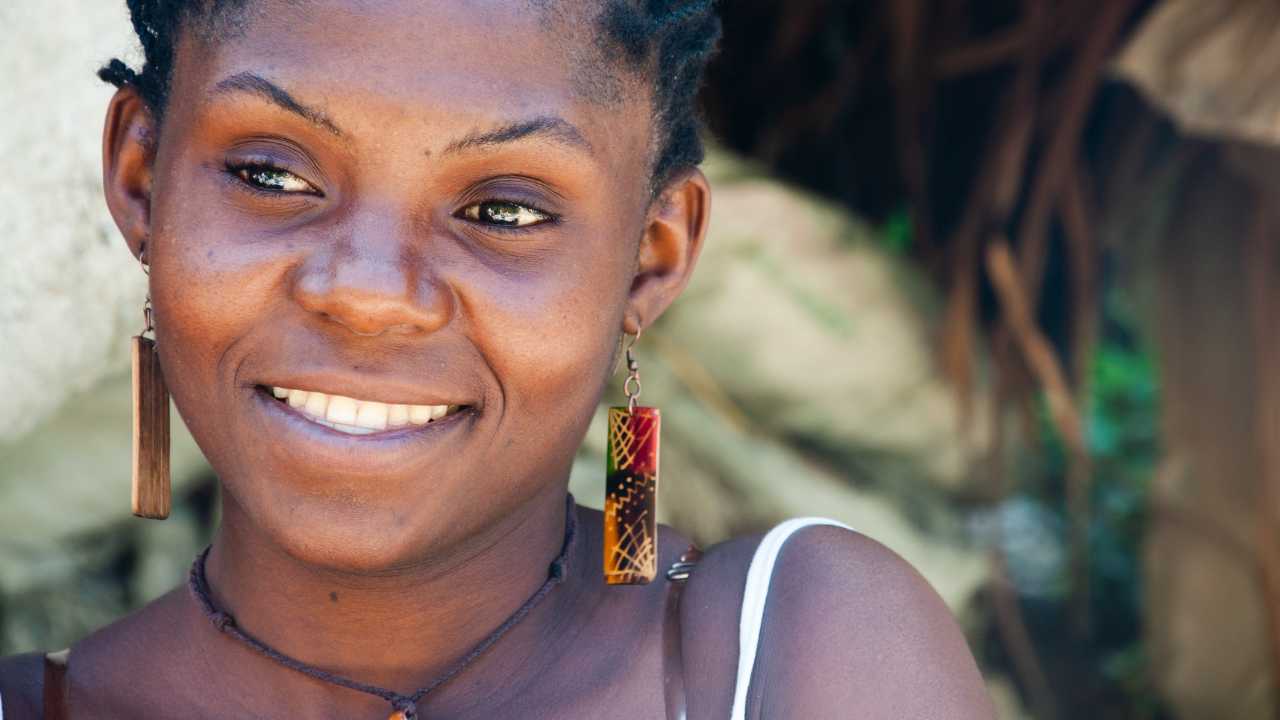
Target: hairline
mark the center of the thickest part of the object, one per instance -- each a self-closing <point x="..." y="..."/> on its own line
<point x="623" y="79"/>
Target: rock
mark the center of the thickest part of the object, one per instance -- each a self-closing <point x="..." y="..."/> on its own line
<point x="1211" y="66"/>
<point x="1189" y="238"/>
<point x="72" y="293"/>
<point x="798" y="321"/>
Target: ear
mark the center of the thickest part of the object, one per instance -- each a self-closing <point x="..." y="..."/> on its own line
<point x="673" y="237"/>
<point x="128" y="153"/>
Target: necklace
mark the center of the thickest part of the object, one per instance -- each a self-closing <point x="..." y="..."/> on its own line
<point x="405" y="706"/>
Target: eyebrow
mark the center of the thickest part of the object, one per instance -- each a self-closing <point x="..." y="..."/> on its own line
<point x="548" y="126"/>
<point x="276" y="95"/>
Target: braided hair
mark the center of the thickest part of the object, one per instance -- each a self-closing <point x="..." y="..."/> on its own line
<point x="669" y="42"/>
<point x="666" y="42"/>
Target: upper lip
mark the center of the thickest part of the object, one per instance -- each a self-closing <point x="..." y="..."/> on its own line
<point x="383" y="390"/>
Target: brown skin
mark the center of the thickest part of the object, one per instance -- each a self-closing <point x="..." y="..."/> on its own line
<point x="388" y="557"/>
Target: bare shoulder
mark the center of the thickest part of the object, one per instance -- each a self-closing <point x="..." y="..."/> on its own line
<point x="21" y="681"/>
<point x="709" y="612"/>
<point x="103" y="669"/>
<point x="850" y="630"/>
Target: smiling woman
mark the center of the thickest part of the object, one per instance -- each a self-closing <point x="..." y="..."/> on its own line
<point x="392" y="249"/>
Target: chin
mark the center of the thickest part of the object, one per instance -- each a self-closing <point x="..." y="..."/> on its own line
<point x="360" y="529"/>
<point x="354" y="542"/>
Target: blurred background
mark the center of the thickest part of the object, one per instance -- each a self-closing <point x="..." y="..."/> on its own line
<point x="994" y="281"/>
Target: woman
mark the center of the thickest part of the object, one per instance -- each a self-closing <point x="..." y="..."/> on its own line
<point x="393" y="248"/>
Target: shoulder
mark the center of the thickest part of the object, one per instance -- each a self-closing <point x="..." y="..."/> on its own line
<point x="104" y="667"/>
<point x="21" y="685"/>
<point x="850" y="630"/>
<point x="152" y="642"/>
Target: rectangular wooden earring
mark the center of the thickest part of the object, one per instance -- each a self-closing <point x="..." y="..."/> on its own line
<point x="151" y="486"/>
<point x="631" y="496"/>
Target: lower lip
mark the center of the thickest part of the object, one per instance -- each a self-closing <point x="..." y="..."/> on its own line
<point x="390" y="434"/>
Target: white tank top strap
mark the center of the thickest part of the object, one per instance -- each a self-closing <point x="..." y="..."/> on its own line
<point x="759" y="576"/>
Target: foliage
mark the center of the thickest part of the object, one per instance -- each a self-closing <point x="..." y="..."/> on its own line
<point x="1122" y="407"/>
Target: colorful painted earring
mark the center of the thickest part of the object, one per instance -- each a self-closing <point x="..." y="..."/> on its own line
<point x="631" y="486"/>
<point x="151" y="483"/>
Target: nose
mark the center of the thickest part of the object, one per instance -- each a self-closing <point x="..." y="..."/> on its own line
<point x="373" y="282"/>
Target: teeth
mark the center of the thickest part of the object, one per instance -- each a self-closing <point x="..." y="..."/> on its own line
<point x="372" y="415"/>
<point x="349" y="429"/>
<point x="420" y="414"/>
<point x="317" y="402"/>
<point x="342" y="410"/>
<point x="359" y="417"/>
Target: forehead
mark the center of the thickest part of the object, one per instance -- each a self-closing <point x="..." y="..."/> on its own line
<point x="477" y="61"/>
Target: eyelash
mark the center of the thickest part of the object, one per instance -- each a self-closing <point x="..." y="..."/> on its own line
<point x="548" y="218"/>
<point x="243" y="172"/>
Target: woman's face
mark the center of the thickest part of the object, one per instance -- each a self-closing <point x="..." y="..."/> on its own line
<point x="401" y="203"/>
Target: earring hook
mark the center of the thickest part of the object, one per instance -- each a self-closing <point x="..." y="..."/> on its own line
<point x="633" y="377"/>
<point x="624" y="347"/>
<point x="148" y="315"/>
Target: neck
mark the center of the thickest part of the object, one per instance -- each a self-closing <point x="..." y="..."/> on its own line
<point x="398" y="629"/>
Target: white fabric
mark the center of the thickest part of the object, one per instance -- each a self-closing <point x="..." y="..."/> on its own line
<point x="757" y="591"/>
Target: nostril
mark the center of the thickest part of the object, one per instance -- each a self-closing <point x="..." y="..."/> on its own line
<point x="404" y="329"/>
<point x="369" y="304"/>
<point x="353" y="327"/>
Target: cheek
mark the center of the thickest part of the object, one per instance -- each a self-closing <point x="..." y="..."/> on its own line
<point x="212" y="277"/>
<point x="209" y="289"/>
<point x="206" y="288"/>
<point x="549" y="331"/>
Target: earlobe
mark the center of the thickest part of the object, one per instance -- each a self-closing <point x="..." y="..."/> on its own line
<point x="128" y="152"/>
<point x="673" y="238"/>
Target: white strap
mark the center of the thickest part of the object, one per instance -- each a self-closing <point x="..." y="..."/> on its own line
<point x="753" y="598"/>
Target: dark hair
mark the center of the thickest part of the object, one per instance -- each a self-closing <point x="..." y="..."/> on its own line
<point x="667" y="41"/>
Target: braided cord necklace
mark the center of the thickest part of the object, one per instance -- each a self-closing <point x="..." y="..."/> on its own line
<point x="405" y="706"/>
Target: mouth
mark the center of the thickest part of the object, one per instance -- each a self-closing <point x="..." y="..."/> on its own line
<point x="354" y="416"/>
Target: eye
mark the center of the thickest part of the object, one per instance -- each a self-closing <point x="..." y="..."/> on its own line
<point x="272" y="179"/>
<point x="505" y="214"/>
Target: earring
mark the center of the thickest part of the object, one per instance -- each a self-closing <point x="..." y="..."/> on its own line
<point x="631" y="486"/>
<point x="151" y="484"/>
